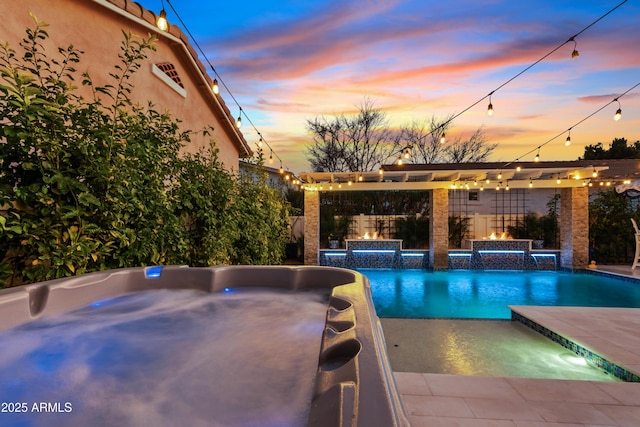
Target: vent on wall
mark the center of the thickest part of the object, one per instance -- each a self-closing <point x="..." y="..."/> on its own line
<point x="167" y="72"/>
<point x="170" y="70"/>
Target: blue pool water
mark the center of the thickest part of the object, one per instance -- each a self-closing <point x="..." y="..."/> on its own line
<point x="486" y="295"/>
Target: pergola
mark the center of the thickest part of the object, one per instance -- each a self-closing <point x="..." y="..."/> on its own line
<point x="573" y="178"/>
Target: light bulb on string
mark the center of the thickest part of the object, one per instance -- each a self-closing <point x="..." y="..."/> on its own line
<point x="443" y="138"/>
<point x="618" y="114"/>
<point x="567" y="142"/>
<point x="399" y="161"/>
<point x="239" y="121"/>
<point x="537" y="158"/>
<point x="530" y="184"/>
<point x="162" y="23"/>
<point x="575" y="52"/>
<point x="490" y="107"/>
<point x="271" y="156"/>
<point x="281" y="168"/>
<point x="215" y="87"/>
<point x="407" y="153"/>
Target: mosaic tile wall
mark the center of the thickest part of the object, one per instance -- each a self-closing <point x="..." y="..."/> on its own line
<point x="375" y="254"/>
<point x="593" y="358"/>
<point x="419" y="259"/>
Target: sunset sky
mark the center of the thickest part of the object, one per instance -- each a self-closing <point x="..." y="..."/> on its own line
<point x="289" y="61"/>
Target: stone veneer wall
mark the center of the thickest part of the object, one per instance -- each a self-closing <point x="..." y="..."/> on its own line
<point x="311" y="227"/>
<point x="439" y="236"/>
<point x="574" y="228"/>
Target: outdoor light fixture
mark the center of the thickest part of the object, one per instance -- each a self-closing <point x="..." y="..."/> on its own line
<point x="490" y="107"/>
<point x="595" y="173"/>
<point x="500" y="175"/>
<point x="215" y="87"/>
<point x="360" y="178"/>
<point x="162" y="23"/>
<point x="518" y="168"/>
<point x="271" y="156"/>
<point x="260" y="142"/>
<point x="618" y="114"/>
<point x="481" y="188"/>
<point x="281" y="168"/>
<point x="558" y="181"/>
<point x="575" y="52"/>
<point x="530" y="183"/>
<point x="443" y="138"/>
<point x="399" y="160"/>
<point x="239" y="121"/>
<point x="537" y="158"/>
<point x="507" y="187"/>
<point x="380" y="171"/>
<point x="407" y="153"/>
<point x="567" y="142"/>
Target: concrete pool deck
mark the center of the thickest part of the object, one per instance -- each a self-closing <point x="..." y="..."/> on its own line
<point x="474" y="401"/>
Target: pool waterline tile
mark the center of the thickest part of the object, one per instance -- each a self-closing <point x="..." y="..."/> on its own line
<point x="596" y="357"/>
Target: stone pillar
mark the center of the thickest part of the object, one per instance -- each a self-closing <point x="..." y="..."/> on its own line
<point x="439" y="229"/>
<point x="311" y="227"/>
<point x="574" y="228"/>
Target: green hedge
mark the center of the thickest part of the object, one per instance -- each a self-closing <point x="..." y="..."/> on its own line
<point x="93" y="184"/>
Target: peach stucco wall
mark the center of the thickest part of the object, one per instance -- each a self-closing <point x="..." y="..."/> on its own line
<point x="94" y="28"/>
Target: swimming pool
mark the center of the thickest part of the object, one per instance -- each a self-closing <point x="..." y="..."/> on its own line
<point x="486" y="295"/>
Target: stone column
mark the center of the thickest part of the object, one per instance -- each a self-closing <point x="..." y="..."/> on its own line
<point x="574" y="228"/>
<point x="439" y="229"/>
<point x="311" y="227"/>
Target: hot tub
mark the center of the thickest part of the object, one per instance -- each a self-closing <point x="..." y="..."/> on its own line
<point x="218" y="346"/>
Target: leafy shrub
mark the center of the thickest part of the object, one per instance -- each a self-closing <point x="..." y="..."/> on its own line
<point x="97" y="184"/>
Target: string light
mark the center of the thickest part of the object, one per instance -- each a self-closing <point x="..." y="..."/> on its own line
<point x="537" y="158"/>
<point x="217" y="80"/>
<point x="443" y="138"/>
<point x="530" y="184"/>
<point x="239" y="121"/>
<point x="507" y="187"/>
<point x="567" y="141"/>
<point x="162" y="23"/>
<point x="575" y="52"/>
<point x="399" y="160"/>
<point x="490" y="107"/>
<point x="618" y="114"/>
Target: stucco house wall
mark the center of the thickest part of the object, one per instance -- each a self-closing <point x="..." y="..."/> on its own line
<point x="95" y="27"/>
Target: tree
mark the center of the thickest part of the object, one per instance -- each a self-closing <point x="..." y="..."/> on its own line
<point x="618" y="149"/>
<point x="359" y="143"/>
<point x="424" y="139"/>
